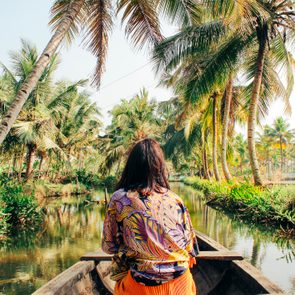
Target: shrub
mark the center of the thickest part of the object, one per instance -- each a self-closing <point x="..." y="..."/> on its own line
<point x="88" y="179"/>
<point x="17" y="209"/>
<point x="110" y="182"/>
<point x="274" y="205"/>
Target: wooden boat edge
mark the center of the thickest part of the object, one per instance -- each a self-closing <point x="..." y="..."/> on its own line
<point x="244" y="267"/>
<point x="80" y="269"/>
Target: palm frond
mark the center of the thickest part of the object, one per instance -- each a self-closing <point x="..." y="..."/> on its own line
<point x="189" y="42"/>
<point x="220" y="64"/>
<point x="98" y="25"/>
<point x="58" y="11"/>
<point x="142" y="23"/>
<point x="184" y="12"/>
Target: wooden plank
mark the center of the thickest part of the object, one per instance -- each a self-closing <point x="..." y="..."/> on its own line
<point x="219" y="255"/>
<point x="203" y="255"/>
<point x="98" y="256"/>
<point x="64" y="283"/>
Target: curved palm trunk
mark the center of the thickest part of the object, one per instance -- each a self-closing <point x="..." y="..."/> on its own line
<point x="228" y="99"/>
<point x="253" y="112"/>
<point x="215" y="165"/>
<point x="35" y="75"/>
<point x="30" y="159"/>
<point x="205" y="164"/>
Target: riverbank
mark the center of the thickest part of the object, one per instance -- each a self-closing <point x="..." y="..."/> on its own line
<point x="272" y="206"/>
<point x="22" y="204"/>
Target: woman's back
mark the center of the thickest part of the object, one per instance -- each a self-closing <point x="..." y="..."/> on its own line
<point x="154" y="232"/>
<point x="148" y="228"/>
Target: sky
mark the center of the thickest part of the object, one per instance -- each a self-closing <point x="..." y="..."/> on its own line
<point x="127" y="69"/>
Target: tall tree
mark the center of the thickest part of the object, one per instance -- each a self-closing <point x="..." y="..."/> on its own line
<point x="225" y="123"/>
<point x="95" y="18"/>
<point x="281" y="133"/>
<point x="73" y="10"/>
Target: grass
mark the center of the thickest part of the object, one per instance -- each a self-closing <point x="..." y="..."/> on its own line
<point x="265" y="205"/>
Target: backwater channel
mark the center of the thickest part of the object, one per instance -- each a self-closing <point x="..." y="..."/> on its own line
<point x="73" y="227"/>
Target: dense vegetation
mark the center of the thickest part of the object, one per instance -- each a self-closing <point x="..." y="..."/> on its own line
<point x="226" y="65"/>
<point x="269" y="206"/>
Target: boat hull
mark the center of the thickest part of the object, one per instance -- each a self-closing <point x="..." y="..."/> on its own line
<point x="213" y="274"/>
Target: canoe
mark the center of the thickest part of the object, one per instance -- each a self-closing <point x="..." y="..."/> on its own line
<point x="218" y="272"/>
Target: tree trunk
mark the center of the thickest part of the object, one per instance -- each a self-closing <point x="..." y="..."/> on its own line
<point x="228" y="99"/>
<point x="281" y="154"/>
<point x="241" y="166"/>
<point x="29" y="84"/>
<point x="42" y="158"/>
<point x="253" y="112"/>
<point x="14" y="162"/>
<point x="205" y="164"/>
<point x="20" y="162"/>
<point x="30" y="159"/>
<point x="215" y="165"/>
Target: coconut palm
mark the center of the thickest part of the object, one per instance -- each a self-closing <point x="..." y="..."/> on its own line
<point x="258" y="23"/>
<point x="240" y="146"/>
<point x="69" y="17"/>
<point x="132" y="120"/>
<point x="34" y="127"/>
<point x="225" y="124"/>
<point x="281" y="133"/>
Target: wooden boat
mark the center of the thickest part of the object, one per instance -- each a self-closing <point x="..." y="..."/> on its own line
<point x="218" y="272"/>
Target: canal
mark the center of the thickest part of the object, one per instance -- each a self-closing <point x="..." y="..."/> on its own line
<point x="73" y="227"/>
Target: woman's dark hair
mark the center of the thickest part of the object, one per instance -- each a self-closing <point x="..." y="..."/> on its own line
<point x="145" y="169"/>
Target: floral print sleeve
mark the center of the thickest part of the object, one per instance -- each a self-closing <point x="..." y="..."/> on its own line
<point x="110" y="242"/>
<point x="192" y="248"/>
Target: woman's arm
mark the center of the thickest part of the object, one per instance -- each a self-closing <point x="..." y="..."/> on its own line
<point x="110" y="244"/>
<point x="192" y="246"/>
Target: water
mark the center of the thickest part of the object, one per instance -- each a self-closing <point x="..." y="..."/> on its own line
<point x="74" y="227"/>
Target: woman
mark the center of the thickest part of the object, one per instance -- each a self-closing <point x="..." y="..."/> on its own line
<point x="149" y="229"/>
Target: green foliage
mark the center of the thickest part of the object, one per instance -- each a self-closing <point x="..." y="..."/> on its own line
<point x="90" y="180"/>
<point x="207" y="186"/>
<point x="4" y="225"/>
<point x="109" y="182"/>
<point x="16" y="208"/>
<point x="264" y="205"/>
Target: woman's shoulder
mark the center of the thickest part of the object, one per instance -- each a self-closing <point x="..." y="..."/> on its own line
<point x="175" y="196"/>
<point x="117" y="195"/>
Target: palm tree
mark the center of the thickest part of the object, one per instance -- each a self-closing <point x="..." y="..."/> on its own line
<point x="34" y="127"/>
<point x="214" y="137"/>
<point x="245" y="25"/>
<point x="132" y="120"/>
<point x="95" y="18"/>
<point x="71" y="13"/>
<point x="281" y="133"/>
<point x="225" y="123"/>
<point x="240" y="146"/>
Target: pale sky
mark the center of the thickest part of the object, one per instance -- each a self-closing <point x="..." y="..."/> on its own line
<point x="127" y="69"/>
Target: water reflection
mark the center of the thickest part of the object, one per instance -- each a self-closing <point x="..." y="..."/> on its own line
<point x="274" y="256"/>
<point x="73" y="226"/>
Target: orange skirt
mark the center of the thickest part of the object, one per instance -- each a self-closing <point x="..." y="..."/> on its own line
<point x="183" y="285"/>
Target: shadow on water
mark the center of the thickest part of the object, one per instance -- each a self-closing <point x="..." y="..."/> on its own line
<point x="73" y="226"/>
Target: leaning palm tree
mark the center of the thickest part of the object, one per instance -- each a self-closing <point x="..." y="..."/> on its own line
<point x="34" y="127"/>
<point x="69" y="17"/>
